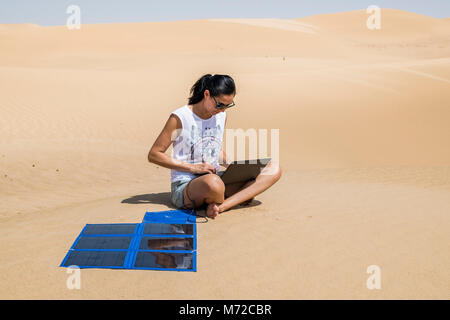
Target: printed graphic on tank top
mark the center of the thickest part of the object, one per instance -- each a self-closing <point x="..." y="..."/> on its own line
<point x="200" y="140"/>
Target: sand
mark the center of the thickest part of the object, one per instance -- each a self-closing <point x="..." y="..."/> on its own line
<point x="364" y="135"/>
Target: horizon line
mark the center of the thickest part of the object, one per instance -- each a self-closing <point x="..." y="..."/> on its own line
<point x="203" y="19"/>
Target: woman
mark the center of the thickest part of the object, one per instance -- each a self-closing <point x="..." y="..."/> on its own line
<point x="196" y="130"/>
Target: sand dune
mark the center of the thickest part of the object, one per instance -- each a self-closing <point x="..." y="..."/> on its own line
<point x="282" y="24"/>
<point x="363" y="118"/>
<point x="394" y="23"/>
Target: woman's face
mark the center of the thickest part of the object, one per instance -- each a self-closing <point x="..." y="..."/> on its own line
<point x="211" y="102"/>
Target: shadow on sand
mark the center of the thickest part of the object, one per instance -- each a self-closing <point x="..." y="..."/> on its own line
<point x="155" y="198"/>
<point x="164" y="199"/>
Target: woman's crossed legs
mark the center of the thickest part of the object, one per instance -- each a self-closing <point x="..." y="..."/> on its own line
<point x="210" y="189"/>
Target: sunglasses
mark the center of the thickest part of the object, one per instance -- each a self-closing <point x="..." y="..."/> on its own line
<point x="223" y="106"/>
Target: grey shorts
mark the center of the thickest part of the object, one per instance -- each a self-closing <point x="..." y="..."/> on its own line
<point x="176" y="194"/>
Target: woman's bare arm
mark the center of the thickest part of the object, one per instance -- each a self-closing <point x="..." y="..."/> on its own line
<point x="223" y="161"/>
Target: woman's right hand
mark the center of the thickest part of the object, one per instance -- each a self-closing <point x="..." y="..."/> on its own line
<point x="202" y="168"/>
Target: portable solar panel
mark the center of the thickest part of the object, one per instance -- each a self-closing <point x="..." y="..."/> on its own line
<point x="164" y="241"/>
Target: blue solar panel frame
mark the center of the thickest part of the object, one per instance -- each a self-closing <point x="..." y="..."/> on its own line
<point x="172" y="217"/>
<point x="182" y="216"/>
<point x="141" y="233"/>
<point x="84" y="234"/>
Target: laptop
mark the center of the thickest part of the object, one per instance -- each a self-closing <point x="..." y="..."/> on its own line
<point x="243" y="170"/>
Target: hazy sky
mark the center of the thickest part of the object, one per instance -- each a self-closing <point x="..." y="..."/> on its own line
<point x="53" y="12"/>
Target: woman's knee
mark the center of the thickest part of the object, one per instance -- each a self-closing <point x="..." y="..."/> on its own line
<point x="214" y="186"/>
<point x="214" y="183"/>
<point x="278" y="172"/>
<point x="273" y="171"/>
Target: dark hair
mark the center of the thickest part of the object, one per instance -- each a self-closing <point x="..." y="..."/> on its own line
<point x="217" y="85"/>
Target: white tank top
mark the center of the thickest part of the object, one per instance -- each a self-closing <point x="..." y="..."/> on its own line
<point x="199" y="140"/>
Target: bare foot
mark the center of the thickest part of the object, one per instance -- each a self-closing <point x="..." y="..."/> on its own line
<point x="212" y="210"/>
